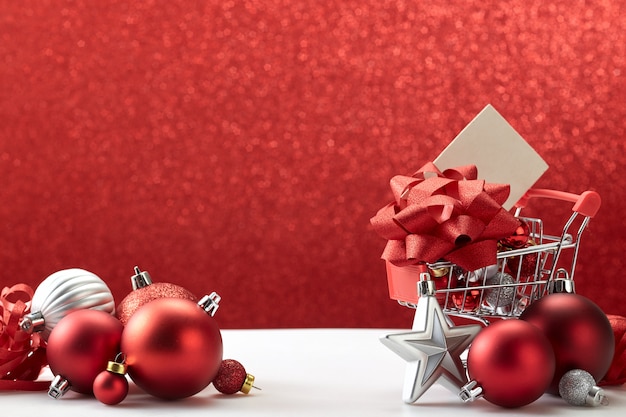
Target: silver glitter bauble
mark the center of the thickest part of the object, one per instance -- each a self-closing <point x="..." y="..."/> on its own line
<point x="578" y="388"/>
<point x="500" y="296"/>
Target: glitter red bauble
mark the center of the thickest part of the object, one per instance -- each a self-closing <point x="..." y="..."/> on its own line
<point x="173" y="348"/>
<point x="230" y="377"/>
<point x="523" y="266"/>
<point x="81" y="345"/>
<point x="110" y="388"/>
<point x="512" y="361"/>
<point x="616" y="375"/>
<point x="579" y="332"/>
<point x="137" y="298"/>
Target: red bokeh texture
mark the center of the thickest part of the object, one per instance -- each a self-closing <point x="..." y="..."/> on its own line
<point x="242" y="146"/>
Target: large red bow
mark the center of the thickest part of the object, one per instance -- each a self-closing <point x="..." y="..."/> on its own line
<point x="447" y="215"/>
<point x="21" y="356"/>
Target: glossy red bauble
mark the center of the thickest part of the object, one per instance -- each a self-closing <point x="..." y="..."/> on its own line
<point x="110" y="388"/>
<point x="580" y="334"/>
<point x="519" y="238"/>
<point x="173" y="348"/>
<point x="81" y="345"/>
<point x="512" y="361"/>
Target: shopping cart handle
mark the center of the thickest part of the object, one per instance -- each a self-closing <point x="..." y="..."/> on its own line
<point x="587" y="203"/>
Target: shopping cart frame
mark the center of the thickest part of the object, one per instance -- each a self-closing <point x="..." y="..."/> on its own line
<point x="482" y="298"/>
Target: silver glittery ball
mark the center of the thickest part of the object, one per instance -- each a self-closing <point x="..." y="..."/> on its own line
<point x="578" y="387"/>
<point x="500" y="296"/>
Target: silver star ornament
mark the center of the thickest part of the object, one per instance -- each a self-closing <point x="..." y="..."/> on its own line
<point x="432" y="349"/>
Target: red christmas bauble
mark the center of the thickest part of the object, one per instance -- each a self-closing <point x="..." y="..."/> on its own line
<point x="519" y="238"/>
<point x="141" y="296"/>
<point x="468" y="300"/>
<point x="81" y="345"/>
<point x="512" y="361"/>
<point x="579" y="332"/>
<point x="231" y="377"/>
<point x="444" y="279"/>
<point x="173" y="348"/>
<point x="110" y="388"/>
<point x="616" y="375"/>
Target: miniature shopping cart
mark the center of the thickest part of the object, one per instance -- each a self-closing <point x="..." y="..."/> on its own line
<point x="543" y="265"/>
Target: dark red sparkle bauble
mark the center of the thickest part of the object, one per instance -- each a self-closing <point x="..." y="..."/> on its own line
<point x="616" y="375"/>
<point x="81" y="345"/>
<point x="230" y="377"/>
<point x="173" y="348"/>
<point x="579" y="332"/>
<point x="524" y="265"/>
<point x="512" y="361"/>
<point x="137" y="298"/>
<point x="110" y="388"/>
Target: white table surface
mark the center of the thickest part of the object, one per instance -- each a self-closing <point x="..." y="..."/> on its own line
<point x="304" y="372"/>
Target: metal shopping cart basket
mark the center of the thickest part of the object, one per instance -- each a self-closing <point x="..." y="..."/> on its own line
<point x="544" y="264"/>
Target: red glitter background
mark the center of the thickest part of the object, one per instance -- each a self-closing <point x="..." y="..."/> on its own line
<point x="242" y="146"/>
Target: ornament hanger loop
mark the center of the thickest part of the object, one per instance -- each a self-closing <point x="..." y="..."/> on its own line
<point x="120" y="358"/>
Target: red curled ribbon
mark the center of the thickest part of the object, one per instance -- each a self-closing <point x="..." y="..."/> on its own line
<point x="448" y="215"/>
<point x="21" y="355"/>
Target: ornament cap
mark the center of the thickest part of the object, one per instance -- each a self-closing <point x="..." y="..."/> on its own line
<point x="561" y="285"/>
<point x="248" y="384"/>
<point x="116" y="367"/>
<point x="210" y="303"/>
<point x="596" y="396"/>
<point x="140" y="279"/>
<point x="470" y="392"/>
<point x="58" y="387"/>
<point x="425" y="286"/>
<point x="33" y="322"/>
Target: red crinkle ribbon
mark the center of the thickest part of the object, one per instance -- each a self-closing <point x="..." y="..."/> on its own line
<point x="21" y="355"/>
<point x="448" y="215"/>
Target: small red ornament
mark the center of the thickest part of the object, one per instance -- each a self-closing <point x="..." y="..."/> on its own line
<point x="232" y="377"/>
<point x="579" y="332"/>
<point x="79" y="348"/>
<point x="469" y="299"/>
<point x="111" y="386"/>
<point x="173" y="347"/>
<point x="144" y="291"/>
<point x="511" y="362"/>
<point x="519" y="238"/>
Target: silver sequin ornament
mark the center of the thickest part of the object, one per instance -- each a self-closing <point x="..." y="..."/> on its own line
<point x="502" y="292"/>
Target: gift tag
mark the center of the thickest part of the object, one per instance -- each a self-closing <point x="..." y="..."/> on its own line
<point x="501" y="155"/>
